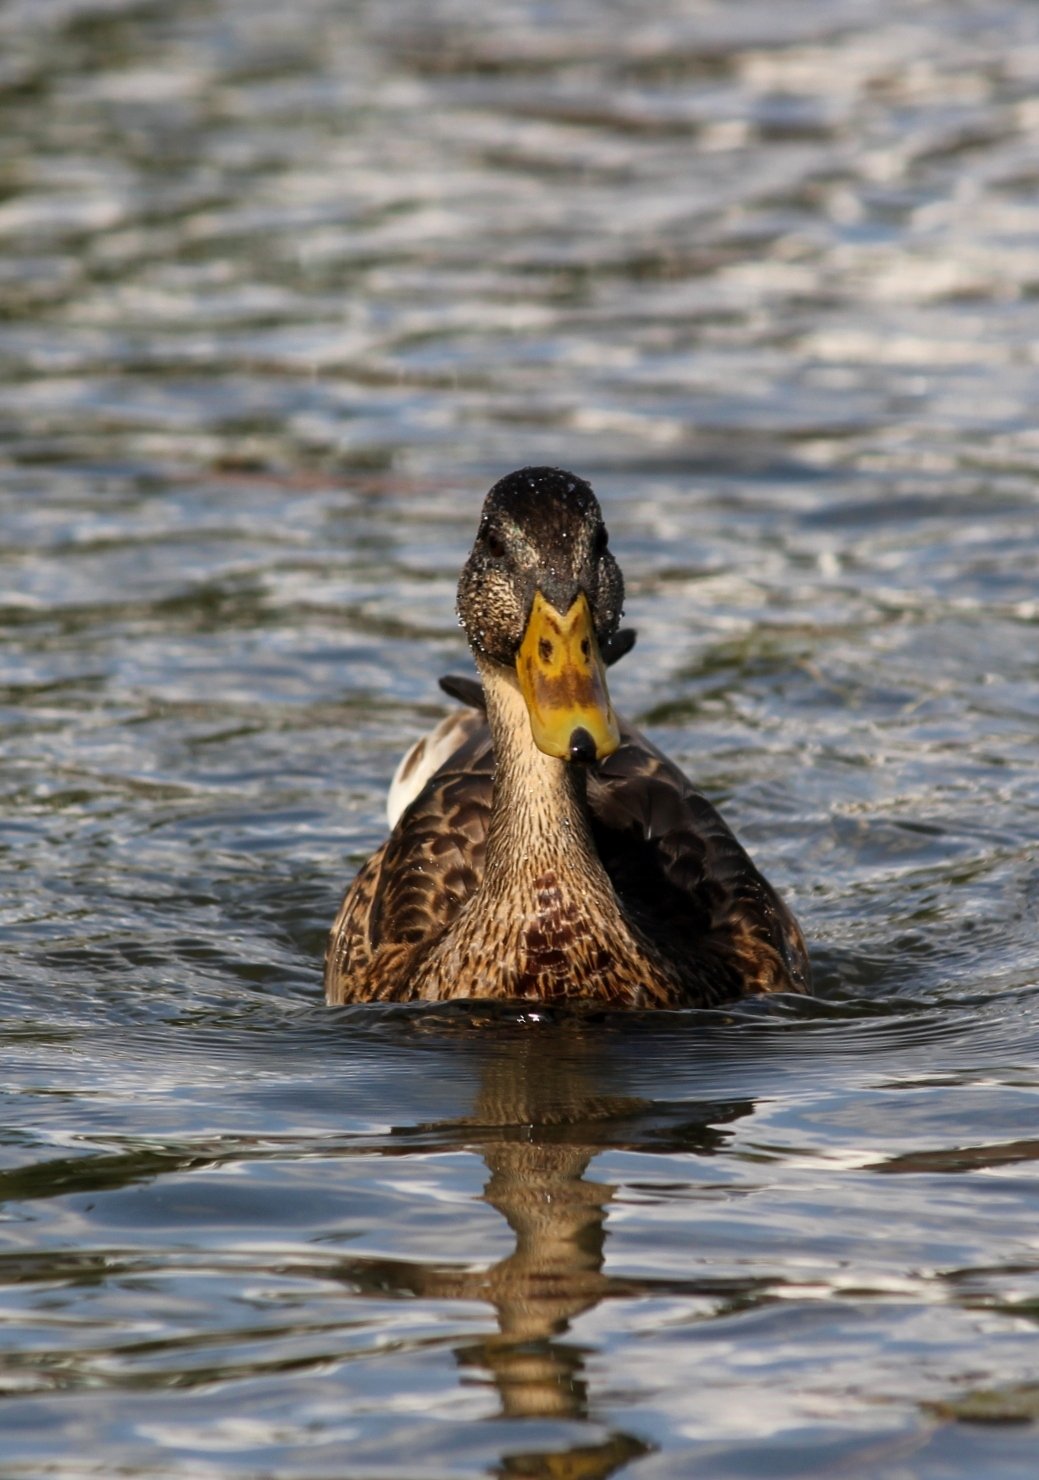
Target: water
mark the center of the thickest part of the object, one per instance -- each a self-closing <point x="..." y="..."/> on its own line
<point x="285" y="289"/>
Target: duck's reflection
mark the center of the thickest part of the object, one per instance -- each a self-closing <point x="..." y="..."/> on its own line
<point x="540" y="1116"/>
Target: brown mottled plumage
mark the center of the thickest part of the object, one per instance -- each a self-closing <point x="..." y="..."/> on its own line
<point x="557" y="876"/>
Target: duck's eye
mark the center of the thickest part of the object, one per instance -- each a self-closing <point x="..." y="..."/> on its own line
<point x="601" y="540"/>
<point x="494" y="546"/>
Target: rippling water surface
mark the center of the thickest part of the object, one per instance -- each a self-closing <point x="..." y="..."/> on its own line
<point x="285" y="287"/>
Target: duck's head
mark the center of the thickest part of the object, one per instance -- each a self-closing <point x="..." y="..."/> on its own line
<point x="541" y="595"/>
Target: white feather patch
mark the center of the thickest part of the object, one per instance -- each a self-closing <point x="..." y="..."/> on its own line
<point x="425" y="758"/>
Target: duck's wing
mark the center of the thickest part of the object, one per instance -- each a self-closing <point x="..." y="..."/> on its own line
<point x="685" y="878"/>
<point x="410" y="890"/>
<point x="674" y="862"/>
<point x="424" y="759"/>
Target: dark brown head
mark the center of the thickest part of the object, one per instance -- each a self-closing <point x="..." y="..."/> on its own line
<point x="541" y="594"/>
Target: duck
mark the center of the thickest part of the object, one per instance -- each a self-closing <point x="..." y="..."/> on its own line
<point x="541" y="848"/>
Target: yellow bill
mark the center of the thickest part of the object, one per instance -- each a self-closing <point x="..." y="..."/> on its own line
<point x="563" y="680"/>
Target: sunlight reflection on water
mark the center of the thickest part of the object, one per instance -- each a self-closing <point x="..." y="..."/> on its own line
<point x="284" y="292"/>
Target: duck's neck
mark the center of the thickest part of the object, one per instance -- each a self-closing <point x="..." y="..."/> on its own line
<point x="539" y="817"/>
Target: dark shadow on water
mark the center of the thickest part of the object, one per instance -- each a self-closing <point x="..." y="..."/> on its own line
<point x="537" y="1120"/>
<point x="536" y="1094"/>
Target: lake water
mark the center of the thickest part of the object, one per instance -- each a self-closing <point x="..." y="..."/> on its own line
<point x="285" y="288"/>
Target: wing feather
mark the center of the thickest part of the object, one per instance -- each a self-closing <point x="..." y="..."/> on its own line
<point x="677" y="868"/>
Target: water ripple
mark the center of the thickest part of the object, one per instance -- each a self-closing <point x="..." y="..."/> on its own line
<point x="285" y="288"/>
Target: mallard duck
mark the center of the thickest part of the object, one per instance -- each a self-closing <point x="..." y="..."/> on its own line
<point x="542" y="848"/>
